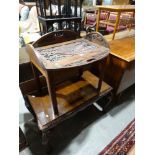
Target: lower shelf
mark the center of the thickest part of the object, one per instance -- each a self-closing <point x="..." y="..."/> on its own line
<point x="71" y="97"/>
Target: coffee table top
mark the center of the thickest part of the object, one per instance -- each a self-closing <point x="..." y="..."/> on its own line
<point x="70" y="54"/>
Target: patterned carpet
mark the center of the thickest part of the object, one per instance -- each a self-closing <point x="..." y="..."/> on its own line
<point x="122" y="143"/>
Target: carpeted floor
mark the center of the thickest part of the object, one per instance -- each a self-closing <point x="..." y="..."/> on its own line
<point x="122" y="143"/>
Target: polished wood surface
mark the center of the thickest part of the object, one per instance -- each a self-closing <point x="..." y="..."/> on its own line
<point x="120" y="65"/>
<point x="71" y="96"/>
<point x="124" y="49"/>
<point x="113" y="8"/>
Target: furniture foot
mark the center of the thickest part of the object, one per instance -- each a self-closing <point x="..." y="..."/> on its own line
<point x="45" y="142"/>
<point x="45" y="138"/>
<point x="116" y="98"/>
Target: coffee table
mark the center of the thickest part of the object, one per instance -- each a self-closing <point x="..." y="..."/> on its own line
<point x="66" y="86"/>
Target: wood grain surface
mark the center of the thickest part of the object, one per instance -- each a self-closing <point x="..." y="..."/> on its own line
<point x="70" y="95"/>
<point x="124" y="49"/>
<point x="120" y="65"/>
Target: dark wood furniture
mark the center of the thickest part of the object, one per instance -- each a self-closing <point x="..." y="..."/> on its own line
<point x="56" y="15"/>
<point x="66" y="85"/>
<point x="22" y="140"/>
<point x="25" y="69"/>
<point x="120" y="65"/>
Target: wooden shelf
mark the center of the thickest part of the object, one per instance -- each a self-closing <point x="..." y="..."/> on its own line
<point x="71" y="97"/>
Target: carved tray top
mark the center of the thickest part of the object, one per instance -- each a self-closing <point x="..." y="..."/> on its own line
<point x="70" y="54"/>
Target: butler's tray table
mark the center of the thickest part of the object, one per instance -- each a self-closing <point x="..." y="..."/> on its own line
<point x="70" y="85"/>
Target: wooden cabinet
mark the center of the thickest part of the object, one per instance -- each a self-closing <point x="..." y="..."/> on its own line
<point x="22" y="140"/>
<point x="120" y="66"/>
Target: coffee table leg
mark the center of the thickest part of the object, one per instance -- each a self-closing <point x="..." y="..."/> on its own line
<point x="45" y="142"/>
